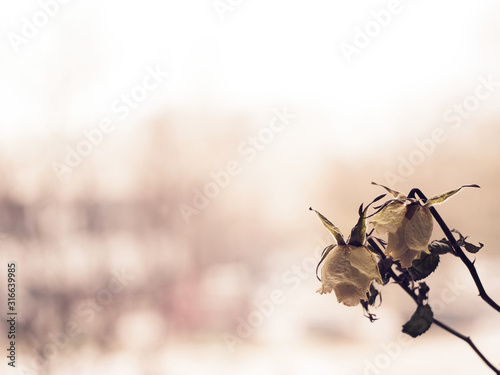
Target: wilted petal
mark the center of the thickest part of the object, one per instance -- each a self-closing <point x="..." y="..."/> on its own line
<point x="349" y="271"/>
<point x="348" y="294"/>
<point x="336" y="268"/>
<point x="389" y="219"/>
<point x="399" y="250"/>
<point x="411" y="238"/>
<point x="324" y="289"/>
<point x="362" y="259"/>
<point x="407" y="258"/>
<point x="396" y="245"/>
<point x="418" y="229"/>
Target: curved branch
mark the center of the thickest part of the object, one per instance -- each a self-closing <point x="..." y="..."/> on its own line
<point x="468" y="341"/>
<point x="470" y="266"/>
<point x="412" y="294"/>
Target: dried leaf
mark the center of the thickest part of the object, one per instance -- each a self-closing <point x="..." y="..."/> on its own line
<point x="419" y="322"/>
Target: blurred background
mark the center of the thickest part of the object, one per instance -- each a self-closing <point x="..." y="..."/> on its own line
<point x="158" y="160"/>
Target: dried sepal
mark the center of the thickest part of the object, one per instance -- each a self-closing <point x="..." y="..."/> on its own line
<point x="331" y="227"/>
<point x="444" y="196"/>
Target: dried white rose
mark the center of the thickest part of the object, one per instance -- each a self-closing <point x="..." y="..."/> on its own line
<point x="348" y="271"/>
<point x="408" y="223"/>
<point x="409" y="228"/>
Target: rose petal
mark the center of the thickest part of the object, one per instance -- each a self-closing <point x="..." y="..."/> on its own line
<point x="418" y="230"/>
<point x="347" y="294"/>
<point x="389" y="219"/>
<point x="349" y="271"/>
<point x="399" y="250"/>
<point x="324" y="289"/>
<point x="407" y="258"/>
<point x="362" y="259"/>
<point x="396" y="245"/>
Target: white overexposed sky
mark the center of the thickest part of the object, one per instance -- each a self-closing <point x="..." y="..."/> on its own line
<point x="260" y="54"/>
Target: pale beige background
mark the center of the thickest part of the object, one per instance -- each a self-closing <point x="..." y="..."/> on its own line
<point x="193" y="281"/>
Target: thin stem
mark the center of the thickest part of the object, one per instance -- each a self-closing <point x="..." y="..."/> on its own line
<point x="470" y="265"/>
<point x="415" y="298"/>
<point x="391" y="272"/>
<point x="468" y="341"/>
